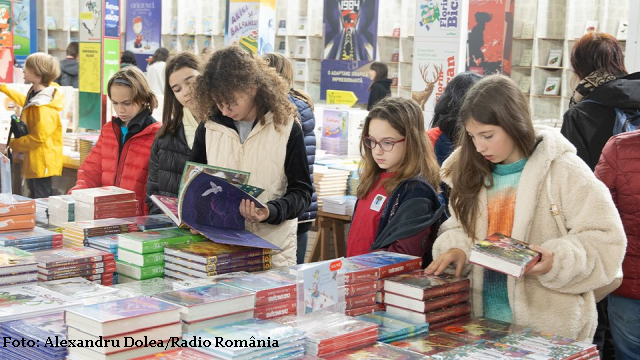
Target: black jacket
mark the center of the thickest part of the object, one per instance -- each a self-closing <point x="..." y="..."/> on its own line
<point x="166" y="164"/>
<point x="379" y="90"/>
<point x="297" y="197"/>
<point x="588" y="126"/>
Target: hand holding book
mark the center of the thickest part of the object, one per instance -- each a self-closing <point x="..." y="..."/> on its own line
<point x="253" y="214"/>
<point x="455" y="256"/>
<point x="544" y="265"/>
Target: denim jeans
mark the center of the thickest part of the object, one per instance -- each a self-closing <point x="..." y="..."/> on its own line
<point x="624" y="318"/>
<point x="301" y="251"/>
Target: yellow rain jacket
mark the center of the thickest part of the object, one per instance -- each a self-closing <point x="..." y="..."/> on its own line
<point x="43" y="145"/>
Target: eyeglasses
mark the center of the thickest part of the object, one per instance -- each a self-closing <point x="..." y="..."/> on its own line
<point x="385" y="145"/>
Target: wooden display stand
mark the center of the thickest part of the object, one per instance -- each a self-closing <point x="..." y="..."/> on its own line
<point x="329" y="224"/>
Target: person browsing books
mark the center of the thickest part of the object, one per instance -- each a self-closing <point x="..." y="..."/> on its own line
<point x="172" y="147"/>
<point x="253" y="127"/>
<point x="121" y="154"/>
<point x="504" y="177"/>
<point x="380" y="85"/>
<point x="398" y="208"/>
<point x="41" y="113"/>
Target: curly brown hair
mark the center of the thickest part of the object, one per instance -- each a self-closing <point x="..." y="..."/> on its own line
<point x="232" y="71"/>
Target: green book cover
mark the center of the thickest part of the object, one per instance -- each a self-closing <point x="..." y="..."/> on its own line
<point x="134" y="258"/>
<point x="139" y="272"/>
<point x="155" y="241"/>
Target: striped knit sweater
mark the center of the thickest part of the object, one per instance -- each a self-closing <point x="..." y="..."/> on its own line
<point x="501" y="203"/>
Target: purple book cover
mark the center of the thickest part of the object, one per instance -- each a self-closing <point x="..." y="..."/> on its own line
<point x="211" y="206"/>
<point x="122" y="309"/>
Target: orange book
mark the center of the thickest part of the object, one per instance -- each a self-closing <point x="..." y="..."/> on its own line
<point x="18" y="208"/>
<point x="17" y="222"/>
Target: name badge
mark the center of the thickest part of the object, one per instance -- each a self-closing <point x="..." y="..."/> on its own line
<point x="377" y="203"/>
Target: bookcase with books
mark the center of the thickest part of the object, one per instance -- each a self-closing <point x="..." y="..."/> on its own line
<point x="542" y="48"/>
<point x="194" y="27"/>
<point x="58" y="25"/>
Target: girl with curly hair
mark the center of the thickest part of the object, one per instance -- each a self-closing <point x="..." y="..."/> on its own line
<point x="253" y="127"/>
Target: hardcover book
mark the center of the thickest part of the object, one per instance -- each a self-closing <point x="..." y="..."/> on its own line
<point x="424" y="306"/>
<point x="376" y="351"/>
<point x="362" y="288"/>
<point x="14" y="261"/>
<point x="41" y="329"/>
<point x="359" y="301"/>
<point x="358" y="272"/>
<point x="264" y="261"/>
<point x="155" y="241"/>
<point x="504" y="254"/>
<point x="37" y="235"/>
<point x="193" y="272"/>
<point x="136" y="259"/>
<point x="138" y="272"/>
<point x="70" y="256"/>
<point x="389" y="263"/>
<point x="435" y="316"/>
<point x="275" y="310"/>
<point x="207" y="252"/>
<point x="103" y="194"/>
<point x="19" y="302"/>
<point x="419" y="286"/>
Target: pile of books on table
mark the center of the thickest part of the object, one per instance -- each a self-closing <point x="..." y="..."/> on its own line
<point x="104" y="203"/>
<point x="91" y="264"/>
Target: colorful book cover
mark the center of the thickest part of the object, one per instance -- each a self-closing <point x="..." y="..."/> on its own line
<point x="12" y="257"/>
<point x="376" y="351"/>
<point x="103" y="194"/>
<point x="389" y="263"/>
<point x="152" y="222"/>
<point x="393" y="326"/>
<point x="17" y="207"/>
<point x="487" y="349"/>
<point x="507" y="249"/>
<point x="178" y="354"/>
<point x="204" y="274"/>
<point x="546" y="344"/>
<point x="268" y="286"/>
<point x="106" y="241"/>
<point x="39" y="328"/>
<point x="168" y="205"/>
<point x="154" y="241"/>
<point x="30" y="236"/>
<point x="23" y="301"/>
<point x="208" y="252"/>
<point x="355" y="302"/>
<point x="429" y="285"/>
<point x="275" y="310"/>
<point x="320" y="285"/>
<point x="358" y="272"/>
<point x="434" y="343"/>
<point x="14" y="223"/>
<point x="123" y="309"/>
<point x="191" y="169"/>
<point x="70" y="256"/>
<point x="219" y="266"/>
<point x="362" y="288"/>
<point x="203" y="295"/>
<point x="481" y="328"/>
<point x="77" y="287"/>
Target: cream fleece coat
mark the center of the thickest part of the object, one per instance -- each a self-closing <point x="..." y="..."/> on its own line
<point x="560" y="301"/>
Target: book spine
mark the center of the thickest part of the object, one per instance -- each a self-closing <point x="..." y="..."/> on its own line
<point x="277" y="295"/>
<point x="444" y="301"/>
<point x="351" y="290"/>
<point x="234" y="256"/>
<point x="447" y="289"/>
<point x="260" y="260"/>
<point x="80" y="216"/>
<point x="448" y="313"/>
<point x="86" y="197"/>
<point x="441" y="324"/>
<point x="84" y="273"/>
<point x="25" y="241"/>
<point x="98" y="258"/>
<point x="17" y="222"/>
<point x="108" y="207"/>
<point x="275" y="310"/>
<point x="362" y="276"/>
<point x="400" y="268"/>
<point x="78" y="267"/>
<point x="159" y="244"/>
<point x="149" y="272"/>
<point x="360" y="301"/>
<point x="19" y="208"/>
<point x="361" y="310"/>
<point x="139" y="273"/>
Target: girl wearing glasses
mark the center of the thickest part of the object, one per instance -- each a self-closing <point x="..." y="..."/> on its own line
<point x="398" y="208"/>
<point x="504" y="177"/>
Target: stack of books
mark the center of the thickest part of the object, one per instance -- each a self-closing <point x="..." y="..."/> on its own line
<point x="47" y="331"/>
<point x="339" y="204"/>
<point x="108" y="243"/>
<point x="104" y="203"/>
<point x="264" y="333"/>
<point x="376" y="351"/>
<point x="394" y="328"/>
<point x="205" y="259"/>
<point x="91" y="264"/>
<point x="140" y="254"/>
<point x="152" y="222"/>
<point x="147" y="287"/>
<point x="85" y="144"/>
<point x="42" y="206"/>
<point x="275" y="292"/>
<point x="122" y="329"/>
<point x="435" y="299"/>
<point x="20" y="302"/>
<point x="329" y="333"/>
<point x="210" y="305"/>
<point x="361" y="279"/>
<point x="17" y="267"/>
<point x="178" y="354"/>
<point x="61" y="209"/>
<point x="80" y="289"/>
<point x="350" y="165"/>
<point x="33" y="240"/>
<point x="77" y="233"/>
<point x="329" y="182"/>
<point x="17" y="214"/>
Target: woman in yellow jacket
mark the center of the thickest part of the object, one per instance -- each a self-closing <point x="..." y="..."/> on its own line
<point x="41" y="112"/>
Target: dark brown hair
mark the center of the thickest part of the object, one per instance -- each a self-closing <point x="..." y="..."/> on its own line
<point x="406" y="117"/>
<point x="232" y="70"/>
<point x="285" y="69"/>
<point x="494" y="100"/>
<point x="597" y="51"/>
<point x="172" y="111"/>
<point x="381" y="69"/>
<point x="132" y="77"/>
<point x="73" y="49"/>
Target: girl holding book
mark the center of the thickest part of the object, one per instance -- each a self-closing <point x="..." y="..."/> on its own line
<point x="121" y="154"/>
<point x="172" y="147"/>
<point x="253" y="127"/>
<point x="504" y="177"/>
<point x="398" y="208"/>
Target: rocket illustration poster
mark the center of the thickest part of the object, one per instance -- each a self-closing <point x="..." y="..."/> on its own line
<point x="211" y="206"/>
<point x="143" y="29"/>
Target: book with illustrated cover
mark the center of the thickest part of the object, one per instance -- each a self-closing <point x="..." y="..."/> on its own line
<point x="168" y="205"/>
<point x="435" y="316"/>
<point x="207" y="252"/>
<point x="376" y="351"/>
<point x="70" y="256"/>
<point x="103" y="194"/>
<point x="51" y="23"/>
<point x="15" y="261"/>
<point x="504" y="254"/>
<point x="487" y="349"/>
<point x="319" y="286"/>
<point x="221" y="265"/>
<point x="17" y="206"/>
<point x="40" y="329"/>
<point x="14" y="223"/>
<point x="419" y="286"/>
<point x="282" y="28"/>
<point x="528" y="29"/>
<point x="37" y="235"/>
<point x="362" y="288"/>
<point x="195" y="272"/>
<point x="359" y="273"/>
<point x="73" y="24"/>
<point x="106" y="266"/>
<point x="622" y="30"/>
<point x="431" y="344"/>
<point x="555" y="58"/>
<point x="277" y="309"/>
<point x="155" y="241"/>
<point x="481" y="328"/>
<point x="591" y="26"/>
<point x="550" y="345"/>
<point x="525" y="84"/>
<point x="19" y="302"/>
<point x="389" y="263"/>
<point x="151" y="259"/>
<point x="138" y="272"/>
<point x="424" y="306"/>
<point x="107" y="241"/>
<point x="178" y="354"/>
<point x="235" y="177"/>
<point x="122" y="316"/>
<point x="393" y="326"/>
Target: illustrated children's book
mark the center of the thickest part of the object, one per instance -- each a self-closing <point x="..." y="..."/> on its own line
<point x="318" y="289"/>
<point x="210" y="205"/>
<point x="19" y="302"/>
<point x="504" y="254"/>
<point x="40" y="329"/>
<point x="236" y="177"/>
<point x="552" y="86"/>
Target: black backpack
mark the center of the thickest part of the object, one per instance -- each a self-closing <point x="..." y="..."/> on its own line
<point x="625" y="121"/>
<point x="18" y="129"/>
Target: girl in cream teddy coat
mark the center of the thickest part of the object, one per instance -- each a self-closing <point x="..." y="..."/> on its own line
<point x="504" y="177"/>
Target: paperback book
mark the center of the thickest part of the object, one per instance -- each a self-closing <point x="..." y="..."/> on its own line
<point x="155" y="241"/>
<point x="504" y="254"/>
<point x="20" y="302"/>
<point x="389" y="263"/>
<point x="43" y="330"/>
<point x="207" y="252"/>
<point x="105" y="194"/>
<point x="70" y="256"/>
<point x="420" y="286"/>
<point x="555" y="58"/>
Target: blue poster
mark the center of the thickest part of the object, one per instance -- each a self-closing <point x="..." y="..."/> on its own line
<point x="143" y="29"/>
<point x="112" y="18"/>
<point x="350" y="33"/>
<point x="25" y="20"/>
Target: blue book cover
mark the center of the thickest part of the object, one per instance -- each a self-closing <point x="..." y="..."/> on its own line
<point x="27" y="237"/>
<point x="106" y="242"/>
<point x="393" y="327"/>
<point x="122" y="309"/>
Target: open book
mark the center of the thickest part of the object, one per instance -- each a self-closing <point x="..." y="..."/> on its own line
<point x="210" y="205"/>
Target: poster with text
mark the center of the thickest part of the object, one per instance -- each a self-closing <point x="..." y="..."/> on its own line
<point x="350" y="40"/>
<point x="111" y="62"/>
<point x="89" y="69"/>
<point x="112" y="18"/>
<point x="243" y="19"/>
<point x="143" y="29"/>
<point x="91" y="21"/>
<point x="24" y="29"/>
<point x="490" y="36"/>
<point x="6" y="33"/>
<point x="438" y="18"/>
<point x="434" y="65"/>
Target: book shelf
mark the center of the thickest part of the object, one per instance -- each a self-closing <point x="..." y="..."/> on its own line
<point x="58" y="25"/>
<point x="194" y="27"/>
<point x="557" y="25"/>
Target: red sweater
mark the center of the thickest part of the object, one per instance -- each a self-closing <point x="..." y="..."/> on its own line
<point x="106" y="166"/>
<point x="619" y="169"/>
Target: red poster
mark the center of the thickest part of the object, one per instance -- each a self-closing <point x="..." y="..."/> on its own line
<point x="490" y="36"/>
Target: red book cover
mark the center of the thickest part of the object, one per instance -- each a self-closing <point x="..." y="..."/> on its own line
<point x="17" y="222"/>
<point x="275" y="310"/>
<point x="108" y="276"/>
<point x="103" y="194"/>
<point x="18" y="208"/>
<point x="441" y="324"/>
<point x="107" y="207"/>
<point x="108" y="214"/>
<point x="441" y="302"/>
<point x="356" y="289"/>
<point x="453" y="311"/>
<point x="359" y="273"/>
<point x="419" y="286"/>
<point x="360" y="301"/>
<point x="71" y="273"/>
<point x="389" y="263"/>
<point x="348" y="342"/>
<point x="77" y="267"/>
<point x="361" y="310"/>
<point x="71" y="256"/>
<point x="434" y="343"/>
